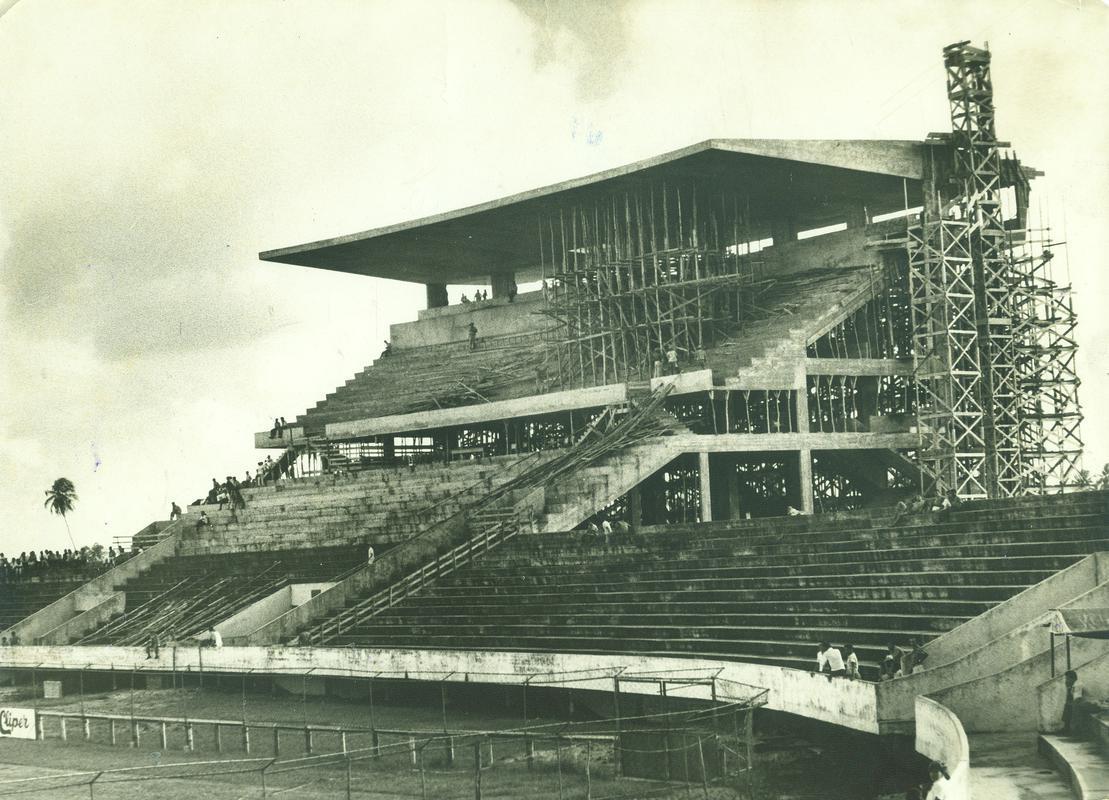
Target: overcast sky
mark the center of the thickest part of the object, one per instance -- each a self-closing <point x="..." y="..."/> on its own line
<point x="149" y="151"/>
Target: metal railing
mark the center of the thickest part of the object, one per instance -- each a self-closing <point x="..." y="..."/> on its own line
<point x="448" y="562"/>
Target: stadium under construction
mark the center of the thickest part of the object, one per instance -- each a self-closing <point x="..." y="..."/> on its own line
<point x="717" y="407"/>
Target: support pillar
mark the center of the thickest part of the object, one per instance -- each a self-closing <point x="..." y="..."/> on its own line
<point x="635" y="509"/>
<point x="706" y="487"/>
<point x="805" y="476"/>
<point x="503" y="283"/>
<point x="436" y="294"/>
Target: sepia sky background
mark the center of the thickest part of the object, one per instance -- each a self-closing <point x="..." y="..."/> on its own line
<point x="149" y="151"/>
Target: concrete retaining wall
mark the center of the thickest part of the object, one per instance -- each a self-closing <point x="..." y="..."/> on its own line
<point x="1020" y="609"/>
<point x="491" y="317"/>
<point x="850" y="704"/>
<point x="940" y="737"/>
<point x="1093" y="679"/>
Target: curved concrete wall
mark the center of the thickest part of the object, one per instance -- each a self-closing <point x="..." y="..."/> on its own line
<point x="839" y="701"/>
<point x="940" y="737"/>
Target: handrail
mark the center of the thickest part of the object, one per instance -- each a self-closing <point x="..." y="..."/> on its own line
<point x="625" y="434"/>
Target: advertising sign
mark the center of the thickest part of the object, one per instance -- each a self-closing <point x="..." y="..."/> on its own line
<point x="17" y="723"/>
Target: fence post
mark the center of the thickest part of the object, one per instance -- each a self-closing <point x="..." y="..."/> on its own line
<point x="423" y="775"/>
<point x="190" y="742"/>
<point x="375" y="742"/>
<point x="246" y="738"/>
<point x="112" y="731"/>
<point x="216" y="735"/>
<point x="704" y="777"/>
<point x="94" y="780"/>
<point x="263" y="774"/>
<point x="412" y="750"/>
<point x="276" y="740"/>
<point x="450" y="751"/>
<point x="343" y="741"/>
<point x="348" y="777"/>
<point x="749" y="735"/>
<point x="65" y="736"/>
<point x="477" y="770"/>
<point x="308" y="741"/>
<point x="558" y="757"/>
<point x="529" y="751"/>
<point x="165" y="737"/>
<point x="588" y="777"/>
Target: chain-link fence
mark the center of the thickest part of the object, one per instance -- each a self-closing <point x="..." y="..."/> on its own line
<point x="285" y="735"/>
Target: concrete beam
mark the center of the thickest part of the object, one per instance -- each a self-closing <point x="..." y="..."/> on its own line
<point x="551" y="403"/>
<point x="857" y="366"/>
<point x="779" y="442"/>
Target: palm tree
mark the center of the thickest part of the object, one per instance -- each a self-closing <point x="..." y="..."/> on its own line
<point x="60" y="498"/>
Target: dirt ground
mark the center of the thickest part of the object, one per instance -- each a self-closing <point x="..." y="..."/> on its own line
<point x="65" y="769"/>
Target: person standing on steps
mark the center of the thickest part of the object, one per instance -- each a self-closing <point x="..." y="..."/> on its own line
<point x="473" y="336"/>
<point x="174" y="511"/>
<point x="829" y="661"/>
<point x="1074" y="695"/>
<point x="851" y="661"/>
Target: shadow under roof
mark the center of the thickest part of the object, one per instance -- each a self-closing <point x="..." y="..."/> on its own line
<point x="813" y="181"/>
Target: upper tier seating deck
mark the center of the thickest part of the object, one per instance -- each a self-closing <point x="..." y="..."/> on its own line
<point x="19" y="599"/>
<point x="183" y="595"/>
<point x="380" y="506"/>
<point x="763" y="591"/>
<point x="788" y="310"/>
<point x="791" y="311"/>
<point x="425" y="378"/>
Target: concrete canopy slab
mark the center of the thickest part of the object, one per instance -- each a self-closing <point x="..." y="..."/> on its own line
<point x="810" y="178"/>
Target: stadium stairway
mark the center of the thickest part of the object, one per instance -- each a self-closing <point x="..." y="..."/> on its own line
<point x="764" y="591"/>
<point x="183" y="596"/>
<point x="1083" y="758"/>
<point x="563" y="491"/>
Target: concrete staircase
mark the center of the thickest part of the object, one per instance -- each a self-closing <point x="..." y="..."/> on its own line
<point x="1083" y="759"/>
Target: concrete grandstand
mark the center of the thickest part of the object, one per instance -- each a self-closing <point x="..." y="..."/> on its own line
<point x="761" y="394"/>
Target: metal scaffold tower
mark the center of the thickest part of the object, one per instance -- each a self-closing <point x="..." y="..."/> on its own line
<point x="1051" y="438"/>
<point x="997" y="415"/>
<point x="636" y="275"/>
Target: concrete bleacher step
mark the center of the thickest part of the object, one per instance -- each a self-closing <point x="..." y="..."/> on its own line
<point x="1083" y="762"/>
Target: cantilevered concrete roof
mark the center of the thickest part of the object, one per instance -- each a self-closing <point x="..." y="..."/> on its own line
<point x="813" y="181"/>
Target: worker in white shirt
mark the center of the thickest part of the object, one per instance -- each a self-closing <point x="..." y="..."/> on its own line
<point x="939" y="778"/>
<point x="215" y="638"/>
<point x="829" y="660"/>
<point x="851" y="662"/>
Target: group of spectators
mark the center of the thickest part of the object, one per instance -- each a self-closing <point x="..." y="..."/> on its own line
<point x="229" y="492"/>
<point x="86" y="562"/>
<point x="897" y="662"/>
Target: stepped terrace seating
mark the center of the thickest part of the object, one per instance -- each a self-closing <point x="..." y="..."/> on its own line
<point x="378" y="505"/>
<point x="789" y="312"/>
<point x="19" y="599"/>
<point x="436" y="376"/>
<point x="786" y="313"/>
<point x="183" y="595"/>
<point x="763" y="591"/>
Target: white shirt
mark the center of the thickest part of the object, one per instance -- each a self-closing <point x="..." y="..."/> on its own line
<point x="606" y="526"/>
<point x="853" y="665"/>
<point x="217" y="640"/>
<point x="832" y="658"/>
<point x="938" y="790"/>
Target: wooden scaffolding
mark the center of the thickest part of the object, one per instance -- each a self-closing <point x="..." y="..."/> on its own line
<point x="635" y="276"/>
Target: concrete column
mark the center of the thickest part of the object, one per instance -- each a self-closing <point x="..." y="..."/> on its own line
<point x="783" y="231"/>
<point x="734" y="510"/>
<point x="706" y="487"/>
<point x="635" y="509"/>
<point x="856" y="215"/>
<point x="503" y="283"/>
<point x="436" y="294"/>
<point x="805" y="477"/>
